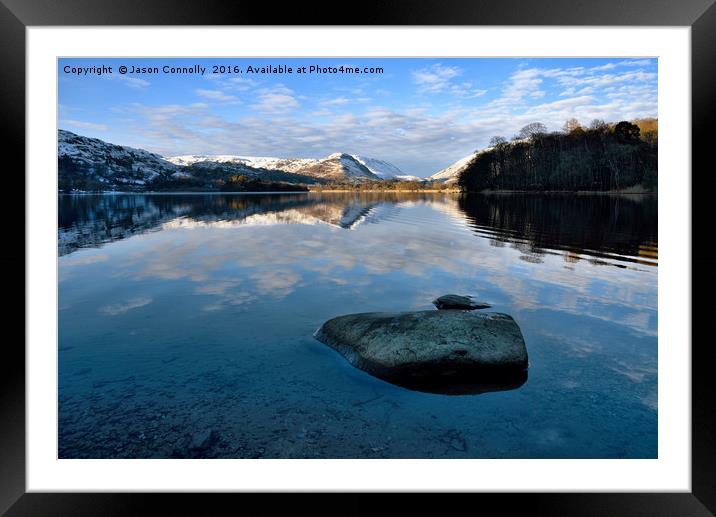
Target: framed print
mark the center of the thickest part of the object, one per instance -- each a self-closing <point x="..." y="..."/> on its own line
<point x="431" y="251"/>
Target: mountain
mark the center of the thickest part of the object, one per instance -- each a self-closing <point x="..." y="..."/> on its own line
<point x="339" y="167"/>
<point x="107" y="164"/>
<point x="384" y="170"/>
<point x="451" y="173"/>
<point x="91" y="164"/>
<point x="380" y="168"/>
<point x="602" y="157"/>
<point x="336" y="167"/>
<point x="258" y="162"/>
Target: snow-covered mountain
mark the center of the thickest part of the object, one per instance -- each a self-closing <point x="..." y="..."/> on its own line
<point x="334" y="167"/>
<point x="337" y="167"/>
<point x="451" y="173"/>
<point x="385" y="170"/>
<point x="108" y="163"/>
<point x="258" y="162"/>
<point x="92" y="164"/>
<point x="380" y="168"/>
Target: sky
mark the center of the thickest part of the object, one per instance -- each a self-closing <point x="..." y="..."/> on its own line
<point x="419" y="114"/>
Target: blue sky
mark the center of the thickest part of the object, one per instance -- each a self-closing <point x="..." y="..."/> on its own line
<point x="419" y="114"/>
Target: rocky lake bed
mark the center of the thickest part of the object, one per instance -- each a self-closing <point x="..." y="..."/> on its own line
<point x="186" y="326"/>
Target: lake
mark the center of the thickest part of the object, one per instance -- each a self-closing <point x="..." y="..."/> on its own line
<point x="186" y="323"/>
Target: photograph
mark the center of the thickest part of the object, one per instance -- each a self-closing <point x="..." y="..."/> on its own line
<point x="357" y="258"/>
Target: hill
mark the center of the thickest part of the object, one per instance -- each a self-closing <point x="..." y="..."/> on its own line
<point x="602" y="157"/>
<point x="91" y="164"/>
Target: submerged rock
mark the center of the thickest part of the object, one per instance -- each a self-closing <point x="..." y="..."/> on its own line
<point x="204" y="440"/>
<point x="456" y="301"/>
<point x="446" y="351"/>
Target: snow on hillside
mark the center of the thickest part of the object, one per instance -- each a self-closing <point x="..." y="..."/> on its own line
<point x="108" y="161"/>
<point x="336" y="166"/>
<point x="279" y="164"/>
<point x="450" y="174"/>
<point x="352" y="167"/>
<point x="258" y="162"/>
<point x="380" y="168"/>
<point x="191" y="159"/>
<point x="385" y="170"/>
<point x="90" y="163"/>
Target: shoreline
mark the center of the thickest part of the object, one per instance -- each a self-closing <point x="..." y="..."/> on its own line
<point x="371" y="191"/>
<point x="213" y="192"/>
<point x="389" y="191"/>
<point x="575" y="192"/>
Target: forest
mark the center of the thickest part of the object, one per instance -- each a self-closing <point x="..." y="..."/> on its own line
<point x="599" y="157"/>
<point x="387" y="185"/>
<point x="241" y="183"/>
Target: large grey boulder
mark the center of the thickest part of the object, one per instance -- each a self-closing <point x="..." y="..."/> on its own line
<point x="447" y="351"/>
<point x="456" y="301"/>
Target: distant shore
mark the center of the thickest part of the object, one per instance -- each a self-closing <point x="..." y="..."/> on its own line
<point x="630" y="192"/>
<point x="444" y="191"/>
<point x="627" y="191"/>
<point x="170" y="192"/>
<point x="154" y="192"/>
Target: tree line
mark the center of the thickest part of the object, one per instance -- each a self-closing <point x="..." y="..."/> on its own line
<point x="598" y="157"/>
<point x="387" y="185"/>
<point x="242" y="183"/>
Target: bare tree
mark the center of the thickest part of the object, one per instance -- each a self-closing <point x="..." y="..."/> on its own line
<point x="532" y="129"/>
<point x="497" y="140"/>
<point x="571" y="125"/>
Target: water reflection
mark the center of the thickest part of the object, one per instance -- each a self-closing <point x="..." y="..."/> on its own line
<point x="481" y="382"/>
<point x="599" y="228"/>
<point x="186" y="324"/>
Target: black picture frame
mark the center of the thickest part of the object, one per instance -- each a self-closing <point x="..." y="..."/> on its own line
<point x="700" y="15"/>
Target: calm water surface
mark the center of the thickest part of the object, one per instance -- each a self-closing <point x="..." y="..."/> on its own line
<point x="186" y="322"/>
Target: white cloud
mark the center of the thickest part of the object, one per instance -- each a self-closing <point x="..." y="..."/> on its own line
<point x="231" y="83"/>
<point x="607" y="66"/>
<point x="521" y="84"/>
<point x="84" y="125"/>
<point x="216" y="95"/>
<point x="605" y="80"/>
<point x="636" y="62"/>
<point x="435" y="78"/>
<point x="343" y="101"/>
<point x="338" y="101"/>
<point x="439" y="79"/>
<point x="133" y="82"/>
<point x="278" y="99"/>
<point x="241" y="83"/>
